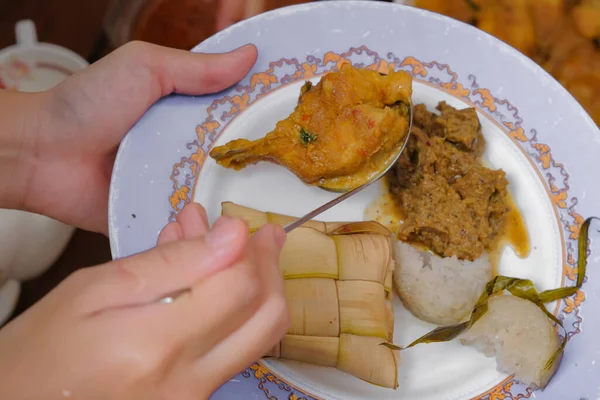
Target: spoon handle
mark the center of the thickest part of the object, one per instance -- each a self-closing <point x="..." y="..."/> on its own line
<point x="294" y="224"/>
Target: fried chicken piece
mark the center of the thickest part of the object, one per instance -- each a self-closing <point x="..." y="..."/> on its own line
<point x="510" y="21"/>
<point x="341" y="134"/>
<point x="586" y="16"/>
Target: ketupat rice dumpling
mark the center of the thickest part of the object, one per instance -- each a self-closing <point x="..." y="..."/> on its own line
<point x="338" y="284"/>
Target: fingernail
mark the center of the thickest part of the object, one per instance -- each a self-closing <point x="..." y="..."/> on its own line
<point x="222" y="233"/>
<point x="170" y="233"/>
<point x="278" y="235"/>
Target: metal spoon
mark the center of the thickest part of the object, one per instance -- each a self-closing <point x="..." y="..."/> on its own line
<point x="171" y="297"/>
<point x="400" y="149"/>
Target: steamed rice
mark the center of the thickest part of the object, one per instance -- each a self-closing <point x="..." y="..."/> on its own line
<point x="439" y="290"/>
<point x="519" y="335"/>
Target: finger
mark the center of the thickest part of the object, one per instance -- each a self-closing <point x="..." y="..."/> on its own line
<point x="149" y="276"/>
<point x="214" y="309"/>
<point x="172" y="232"/>
<point x="266" y="327"/>
<point x="193" y="220"/>
<point x="148" y="71"/>
<point x="240" y="290"/>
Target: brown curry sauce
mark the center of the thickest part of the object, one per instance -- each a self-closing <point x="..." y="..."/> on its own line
<point x="515" y="233"/>
<point x="440" y="195"/>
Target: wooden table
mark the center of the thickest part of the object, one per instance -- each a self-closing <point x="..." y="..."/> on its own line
<point x="77" y="25"/>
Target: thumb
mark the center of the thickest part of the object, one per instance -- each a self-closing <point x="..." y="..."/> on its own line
<point x="268" y="242"/>
<point x="138" y="74"/>
<point x="175" y="266"/>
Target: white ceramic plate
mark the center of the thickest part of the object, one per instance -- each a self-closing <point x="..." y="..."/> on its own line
<point x="525" y="115"/>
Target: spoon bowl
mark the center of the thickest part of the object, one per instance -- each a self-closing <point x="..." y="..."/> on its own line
<point x="347" y="194"/>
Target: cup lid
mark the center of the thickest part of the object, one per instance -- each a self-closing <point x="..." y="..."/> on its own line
<point x="32" y="66"/>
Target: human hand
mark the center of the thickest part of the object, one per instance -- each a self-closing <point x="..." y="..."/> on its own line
<point x="65" y="161"/>
<point x="232" y="11"/>
<point x="101" y="334"/>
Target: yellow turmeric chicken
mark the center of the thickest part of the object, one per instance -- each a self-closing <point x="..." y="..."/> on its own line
<point x="343" y="132"/>
<point x="563" y="36"/>
<point x="586" y="17"/>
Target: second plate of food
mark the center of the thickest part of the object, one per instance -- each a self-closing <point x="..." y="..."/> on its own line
<point x="488" y="185"/>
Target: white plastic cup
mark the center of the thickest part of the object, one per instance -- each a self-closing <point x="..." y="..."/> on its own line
<point x="30" y="243"/>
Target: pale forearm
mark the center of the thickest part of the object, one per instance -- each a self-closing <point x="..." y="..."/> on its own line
<point x="19" y="122"/>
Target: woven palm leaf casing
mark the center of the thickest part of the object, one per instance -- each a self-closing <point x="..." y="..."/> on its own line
<point x="338" y="286"/>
